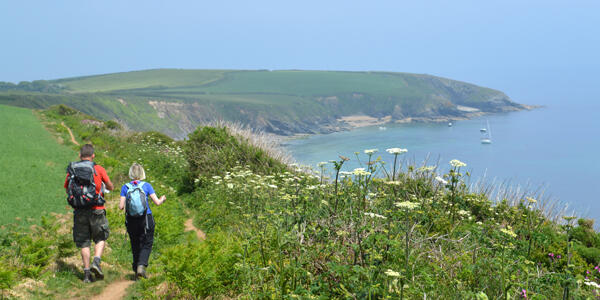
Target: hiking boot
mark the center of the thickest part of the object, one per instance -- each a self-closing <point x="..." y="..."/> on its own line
<point x="140" y="272"/>
<point x="96" y="268"/>
<point x="87" y="276"/>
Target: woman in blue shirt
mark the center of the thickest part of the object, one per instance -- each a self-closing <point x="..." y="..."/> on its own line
<point x="140" y="229"/>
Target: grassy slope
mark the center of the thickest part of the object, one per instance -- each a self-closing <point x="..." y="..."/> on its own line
<point x="33" y="166"/>
<point x="291" y="101"/>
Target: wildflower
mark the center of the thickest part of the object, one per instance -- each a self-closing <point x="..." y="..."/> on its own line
<point x="393" y="182"/>
<point x="373" y="215"/>
<point x="592" y="283"/>
<point x="569" y="218"/>
<point x="463" y="212"/>
<point x="196" y="180"/>
<point x="272" y="186"/>
<point x="441" y="180"/>
<point x="407" y="204"/>
<point x="360" y="172"/>
<point x="230" y="185"/>
<point x="524" y="293"/>
<point x="392" y="273"/>
<point x="426" y="169"/>
<point x="346" y="173"/>
<point x="371" y="151"/>
<point x="344" y="158"/>
<point x="311" y="187"/>
<point x="531" y="200"/>
<point x="457" y="163"/>
<point x="321" y="164"/>
<point x="508" y="232"/>
<point x="395" y="151"/>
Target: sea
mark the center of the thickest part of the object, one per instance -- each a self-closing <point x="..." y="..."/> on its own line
<point x="551" y="152"/>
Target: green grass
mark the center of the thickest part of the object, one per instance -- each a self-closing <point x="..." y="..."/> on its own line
<point x="33" y="165"/>
<point x="140" y="79"/>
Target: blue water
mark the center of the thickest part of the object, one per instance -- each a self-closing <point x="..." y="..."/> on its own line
<point x="555" y="147"/>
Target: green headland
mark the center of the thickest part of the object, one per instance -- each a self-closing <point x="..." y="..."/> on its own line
<point x="285" y="102"/>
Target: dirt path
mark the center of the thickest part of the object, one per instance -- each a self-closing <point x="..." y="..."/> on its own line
<point x="114" y="291"/>
<point x="189" y="226"/>
<point x="70" y="133"/>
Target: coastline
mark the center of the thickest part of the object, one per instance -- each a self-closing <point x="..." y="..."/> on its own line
<point x="347" y="123"/>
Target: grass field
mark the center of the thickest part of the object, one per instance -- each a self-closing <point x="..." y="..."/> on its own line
<point x="33" y="168"/>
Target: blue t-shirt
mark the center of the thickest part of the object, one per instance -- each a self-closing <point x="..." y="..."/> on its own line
<point x="147" y="189"/>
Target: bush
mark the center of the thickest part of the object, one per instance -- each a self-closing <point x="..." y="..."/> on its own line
<point x="214" y="151"/>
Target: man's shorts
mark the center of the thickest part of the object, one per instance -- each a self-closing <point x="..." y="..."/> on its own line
<point x="88" y="225"/>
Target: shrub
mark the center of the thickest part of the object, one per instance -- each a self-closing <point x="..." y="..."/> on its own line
<point x="213" y="151"/>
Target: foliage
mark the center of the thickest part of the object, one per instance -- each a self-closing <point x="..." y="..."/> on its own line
<point x="277" y="231"/>
<point x="212" y="150"/>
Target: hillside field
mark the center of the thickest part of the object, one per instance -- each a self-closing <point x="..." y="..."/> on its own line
<point x="33" y="165"/>
<point x="284" y="102"/>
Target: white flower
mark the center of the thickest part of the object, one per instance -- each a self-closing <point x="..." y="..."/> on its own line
<point x="396" y="151"/>
<point x="321" y="164"/>
<point x="457" y="163"/>
<point x="393" y="182"/>
<point x="230" y="185"/>
<point x="346" y="173"/>
<point x="196" y="180"/>
<point x="392" y="273"/>
<point x="373" y="215"/>
<point x="371" y="151"/>
<point x="531" y="200"/>
<point x="272" y="186"/>
<point x="360" y="172"/>
<point x="407" y="204"/>
<point x="591" y="283"/>
<point x="311" y="187"/>
<point x="441" y="180"/>
<point x="463" y="212"/>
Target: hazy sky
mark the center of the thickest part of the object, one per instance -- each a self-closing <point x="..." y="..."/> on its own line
<point x="484" y="42"/>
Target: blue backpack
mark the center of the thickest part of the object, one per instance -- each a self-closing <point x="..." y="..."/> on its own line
<point x="137" y="203"/>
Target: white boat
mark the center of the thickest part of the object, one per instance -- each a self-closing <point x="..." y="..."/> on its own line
<point x="450" y="124"/>
<point x="487" y="134"/>
<point x="382" y="128"/>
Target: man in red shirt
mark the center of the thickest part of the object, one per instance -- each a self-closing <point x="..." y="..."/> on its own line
<point x="91" y="223"/>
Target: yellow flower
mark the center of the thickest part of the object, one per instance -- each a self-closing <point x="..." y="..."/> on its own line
<point x="508" y="232"/>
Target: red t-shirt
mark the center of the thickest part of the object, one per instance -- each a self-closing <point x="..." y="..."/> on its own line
<point x="99" y="177"/>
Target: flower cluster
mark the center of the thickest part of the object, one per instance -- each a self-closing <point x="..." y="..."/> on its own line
<point x="395" y="151"/>
<point x="457" y="163"/>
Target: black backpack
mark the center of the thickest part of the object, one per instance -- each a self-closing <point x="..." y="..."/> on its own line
<point x="81" y="189"/>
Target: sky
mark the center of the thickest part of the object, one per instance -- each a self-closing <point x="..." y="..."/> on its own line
<point x="499" y="44"/>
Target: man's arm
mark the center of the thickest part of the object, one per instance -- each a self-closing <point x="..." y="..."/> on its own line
<point x="108" y="184"/>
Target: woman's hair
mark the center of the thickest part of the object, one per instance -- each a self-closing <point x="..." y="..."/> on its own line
<point x="136" y="172"/>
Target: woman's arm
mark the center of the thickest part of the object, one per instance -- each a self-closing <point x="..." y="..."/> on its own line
<point x="122" y="203"/>
<point x="156" y="200"/>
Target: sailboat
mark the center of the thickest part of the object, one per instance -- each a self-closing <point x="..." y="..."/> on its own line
<point x="487" y="134"/>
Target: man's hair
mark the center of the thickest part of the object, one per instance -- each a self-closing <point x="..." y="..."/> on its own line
<point x="136" y="172"/>
<point x="87" y="150"/>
